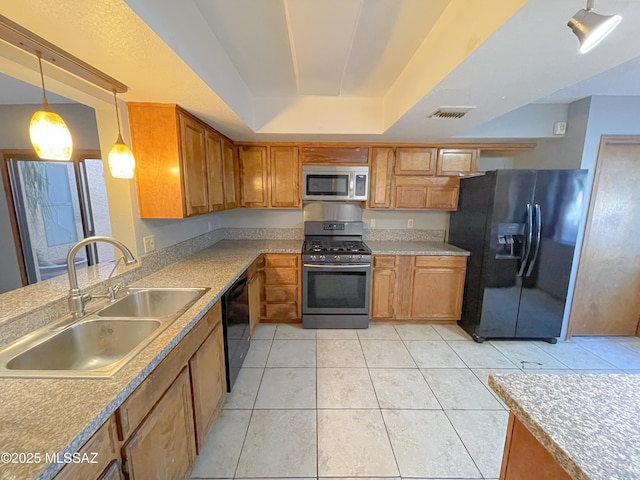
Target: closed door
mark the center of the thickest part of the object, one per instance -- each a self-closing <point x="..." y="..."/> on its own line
<point x="194" y="166"/>
<point x="606" y="300"/>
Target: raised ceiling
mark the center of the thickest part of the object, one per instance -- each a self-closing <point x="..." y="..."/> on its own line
<point x="336" y="69"/>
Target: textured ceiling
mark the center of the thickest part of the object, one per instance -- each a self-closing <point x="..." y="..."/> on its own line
<point x="264" y="69"/>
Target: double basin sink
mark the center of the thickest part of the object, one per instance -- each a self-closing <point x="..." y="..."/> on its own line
<point x="99" y="345"/>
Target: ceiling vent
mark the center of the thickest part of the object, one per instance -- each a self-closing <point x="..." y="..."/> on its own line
<point x="450" y="112"/>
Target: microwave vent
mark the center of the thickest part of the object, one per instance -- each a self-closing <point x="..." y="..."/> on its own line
<point x="450" y="112"/>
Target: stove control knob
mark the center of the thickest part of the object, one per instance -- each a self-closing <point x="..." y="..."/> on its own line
<point x="313" y="257"/>
<point x="359" y="257"/>
<point x="322" y="257"/>
<point x="336" y="258"/>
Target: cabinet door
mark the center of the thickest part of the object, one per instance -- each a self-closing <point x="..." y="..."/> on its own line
<point x="285" y="177"/>
<point x="457" y="162"/>
<point x="253" y="177"/>
<point x="164" y="445"/>
<point x="415" y="161"/>
<point x="194" y="171"/>
<point x="380" y="191"/>
<point x="215" y="171"/>
<point x="231" y="175"/>
<point x="442" y="198"/>
<point x="436" y="293"/>
<point x="383" y="291"/>
<point x="208" y="382"/>
<point x="410" y="196"/>
<point x="335" y="155"/>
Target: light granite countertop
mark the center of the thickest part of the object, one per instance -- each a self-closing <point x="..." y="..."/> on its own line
<point x="40" y="415"/>
<point x="413" y="248"/>
<point x="589" y="423"/>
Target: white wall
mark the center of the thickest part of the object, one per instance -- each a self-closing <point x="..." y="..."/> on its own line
<point x="562" y="152"/>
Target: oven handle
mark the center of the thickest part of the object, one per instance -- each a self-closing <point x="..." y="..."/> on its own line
<point x="334" y="266"/>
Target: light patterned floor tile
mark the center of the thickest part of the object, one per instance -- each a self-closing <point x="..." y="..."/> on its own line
<point x="280" y="443"/>
<point x="337" y="334"/>
<point x="258" y="353"/>
<point x="615" y="353"/>
<point x="460" y="389"/>
<point x="481" y="355"/>
<point x="264" y="331"/>
<point x="434" y="354"/>
<point x="386" y="354"/>
<point x="340" y="353"/>
<point x="527" y="355"/>
<point x="417" y="332"/>
<point x="574" y="356"/>
<point x="426" y="445"/>
<point x="244" y="391"/>
<point x="452" y="332"/>
<point x="378" y="332"/>
<point x="345" y="388"/>
<point x="483" y="433"/>
<point x="292" y="353"/>
<point x="287" y="388"/>
<point x="354" y="443"/>
<point x="287" y="331"/>
<point x="399" y="388"/>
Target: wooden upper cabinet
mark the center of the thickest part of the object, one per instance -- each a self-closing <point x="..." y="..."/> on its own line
<point x="426" y="193"/>
<point x="179" y="171"/>
<point x="253" y="176"/>
<point x="320" y="155"/>
<point x="285" y="174"/>
<point x="381" y="178"/>
<point x="231" y="169"/>
<point x="215" y="172"/>
<point x="415" y="161"/>
<point x="457" y="162"/>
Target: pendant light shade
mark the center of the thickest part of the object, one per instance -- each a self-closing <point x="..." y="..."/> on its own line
<point x="591" y="28"/>
<point x="49" y="134"/>
<point x="121" y="161"/>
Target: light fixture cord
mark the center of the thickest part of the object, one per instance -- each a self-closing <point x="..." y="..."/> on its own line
<point x="589" y="5"/>
<point x="44" y="92"/>
<point x="115" y="101"/>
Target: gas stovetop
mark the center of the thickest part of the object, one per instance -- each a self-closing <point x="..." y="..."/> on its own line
<point x="335" y="250"/>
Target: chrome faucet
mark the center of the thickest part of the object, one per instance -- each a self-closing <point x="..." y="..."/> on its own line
<point x="76" y="300"/>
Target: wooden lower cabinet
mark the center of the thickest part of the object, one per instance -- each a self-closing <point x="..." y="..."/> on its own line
<point x="525" y="458"/>
<point x="164" y="446"/>
<point x="282" y="288"/>
<point x="407" y="287"/>
<point x="208" y="383"/>
<point x="158" y="430"/>
<point x="255" y="292"/>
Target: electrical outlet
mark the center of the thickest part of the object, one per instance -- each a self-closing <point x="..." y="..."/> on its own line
<point x="149" y="243"/>
<point x="410" y="223"/>
<point x="372" y="223"/>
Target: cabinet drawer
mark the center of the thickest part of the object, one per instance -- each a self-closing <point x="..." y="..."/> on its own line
<point x="281" y="276"/>
<point x="104" y="444"/>
<point x="442" y="261"/>
<point x="282" y="260"/>
<point x="286" y="294"/>
<point x="282" y="311"/>
<point x="384" y="261"/>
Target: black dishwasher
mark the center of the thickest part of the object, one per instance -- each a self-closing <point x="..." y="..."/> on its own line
<point x="235" y="322"/>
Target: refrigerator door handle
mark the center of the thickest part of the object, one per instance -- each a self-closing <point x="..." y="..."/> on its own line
<point x="529" y="240"/>
<point x="538" y="238"/>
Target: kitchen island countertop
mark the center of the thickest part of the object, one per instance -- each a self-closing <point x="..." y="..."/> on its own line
<point x="590" y="424"/>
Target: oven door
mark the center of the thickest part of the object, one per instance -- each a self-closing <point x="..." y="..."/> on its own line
<point x="336" y="289"/>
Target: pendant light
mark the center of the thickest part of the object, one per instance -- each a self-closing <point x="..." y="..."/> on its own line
<point x="49" y="134"/>
<point x="121" y="161"/>
<point x="590" y="27"/>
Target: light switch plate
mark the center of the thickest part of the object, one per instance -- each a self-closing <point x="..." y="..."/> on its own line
<point x="149" y="243"/>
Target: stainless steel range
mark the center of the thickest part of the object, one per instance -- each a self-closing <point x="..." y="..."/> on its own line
<point x="336" y="269"/>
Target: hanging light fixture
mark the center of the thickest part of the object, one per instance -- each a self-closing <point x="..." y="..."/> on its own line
<point x="590" y="27"/>
<point x="121" y="161"/>
<point x="49" y="134"/>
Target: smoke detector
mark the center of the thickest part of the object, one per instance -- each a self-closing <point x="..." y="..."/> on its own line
<point x="450" y="112"/>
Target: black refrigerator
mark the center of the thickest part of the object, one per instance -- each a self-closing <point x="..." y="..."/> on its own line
<point x="521" y="228"/>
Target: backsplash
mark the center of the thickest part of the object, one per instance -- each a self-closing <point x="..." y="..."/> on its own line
<point x="404" y="235"/>
<point x="264" y="233"/>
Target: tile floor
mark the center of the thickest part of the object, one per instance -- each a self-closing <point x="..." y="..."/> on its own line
<point x="394" y="401"/>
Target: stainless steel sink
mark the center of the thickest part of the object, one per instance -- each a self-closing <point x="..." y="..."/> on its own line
<point x="152" y="302"/>
<point x="89" y="345"/>
<point x="99" y="345"/>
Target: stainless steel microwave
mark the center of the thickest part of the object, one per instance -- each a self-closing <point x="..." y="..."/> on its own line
<point x="339" y="183"/>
